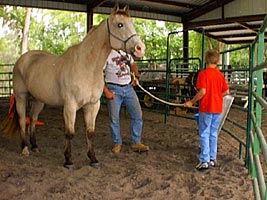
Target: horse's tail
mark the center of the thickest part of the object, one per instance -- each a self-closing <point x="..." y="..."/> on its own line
<point x="10" y="124"/>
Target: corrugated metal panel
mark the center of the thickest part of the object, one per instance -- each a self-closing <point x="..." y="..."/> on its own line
<point x="215" y="14"/>
<point x="245" y="8"/>
<point x="237" y="8"/>
<point x="145" y="15"/>
<point x="195" y="2"/>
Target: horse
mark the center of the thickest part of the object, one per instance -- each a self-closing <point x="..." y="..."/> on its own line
<point x="73" y="80"/>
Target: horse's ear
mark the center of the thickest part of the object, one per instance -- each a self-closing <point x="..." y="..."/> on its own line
<point x="126" y="8"/>
<point x="116" y="8"/>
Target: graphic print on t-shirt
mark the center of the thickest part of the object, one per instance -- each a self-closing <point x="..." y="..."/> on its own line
<point x="122" y="61"/>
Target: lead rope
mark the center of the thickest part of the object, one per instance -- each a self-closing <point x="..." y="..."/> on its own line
<point x="154" y="97"/>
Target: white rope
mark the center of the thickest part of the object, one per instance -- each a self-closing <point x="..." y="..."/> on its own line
<point x="154" y="97"/>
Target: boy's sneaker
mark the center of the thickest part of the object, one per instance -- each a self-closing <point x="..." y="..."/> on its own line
<point x="213" y="163"/>
<point x="202" y="166"/>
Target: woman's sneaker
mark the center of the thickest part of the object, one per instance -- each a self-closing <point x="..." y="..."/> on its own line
<point x="139" y="147"/>
<point x="202" y="166"/>
<point x="213" y="163"/>
<point x="116" y="148"/>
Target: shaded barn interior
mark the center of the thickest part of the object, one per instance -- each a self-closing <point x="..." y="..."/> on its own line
<point x="228" y="21"/>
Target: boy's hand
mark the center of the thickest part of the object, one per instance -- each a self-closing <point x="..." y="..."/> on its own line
<point x="188" y="104"/>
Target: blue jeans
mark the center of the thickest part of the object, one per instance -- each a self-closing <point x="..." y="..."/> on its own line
<point x="125" y="95"/>
<point x="208" y="134"/>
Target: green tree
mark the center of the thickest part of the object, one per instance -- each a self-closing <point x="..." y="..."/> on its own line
<point x="59" y="30"/>
<point x="154" y="34"/>
<point x="50" y="30"/>
<point x="11" y="20"/>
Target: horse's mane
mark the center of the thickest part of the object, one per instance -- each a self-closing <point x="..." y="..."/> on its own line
<point x="72" y="49"/>
<point x="93" y="28"/>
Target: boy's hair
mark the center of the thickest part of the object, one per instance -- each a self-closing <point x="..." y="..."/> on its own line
<point x="212" y="57"/>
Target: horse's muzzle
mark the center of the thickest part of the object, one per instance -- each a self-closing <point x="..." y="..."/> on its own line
<point x="139" y="50"/>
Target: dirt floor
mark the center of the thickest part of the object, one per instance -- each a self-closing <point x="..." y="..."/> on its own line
<point x="166" y="172"/>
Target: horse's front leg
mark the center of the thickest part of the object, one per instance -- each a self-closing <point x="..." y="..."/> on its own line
<point x="34" y="112"/>
<point x="90" y="113"/>
<point x="69" y="120"/>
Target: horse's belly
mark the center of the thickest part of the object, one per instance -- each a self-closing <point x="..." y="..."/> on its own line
<point x="88" y="97"/>
<point x="48" y="97"/>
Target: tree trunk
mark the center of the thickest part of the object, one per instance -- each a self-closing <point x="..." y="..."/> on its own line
<point x="24" y="42"/>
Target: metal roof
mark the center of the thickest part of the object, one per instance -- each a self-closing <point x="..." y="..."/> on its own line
<point x="222" y="27"/>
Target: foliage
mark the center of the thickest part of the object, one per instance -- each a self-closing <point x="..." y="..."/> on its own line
<point x="154" y="34"/>
<point x="97" y="18"/>
<point x="11" y="20"/>
<point x="50" y="30"/>
<point x="59" y="30"/>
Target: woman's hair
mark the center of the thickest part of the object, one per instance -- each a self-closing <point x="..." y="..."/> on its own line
<point x="212" y="57"/>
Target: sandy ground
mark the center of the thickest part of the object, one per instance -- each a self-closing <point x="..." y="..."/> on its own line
<point x="166" y="172"/>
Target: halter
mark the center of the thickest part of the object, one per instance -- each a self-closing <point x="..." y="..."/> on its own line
<point x="124" y="41"/>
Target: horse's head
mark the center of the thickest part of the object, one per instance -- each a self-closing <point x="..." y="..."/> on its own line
<point x="122" y="35"/>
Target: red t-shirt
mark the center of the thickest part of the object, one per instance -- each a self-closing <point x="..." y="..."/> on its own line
<point x="213" y="81"/>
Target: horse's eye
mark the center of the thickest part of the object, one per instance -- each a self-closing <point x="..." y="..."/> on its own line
<point x="120" y="25"/>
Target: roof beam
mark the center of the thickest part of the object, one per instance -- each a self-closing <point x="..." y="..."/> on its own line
<point x="192" y="25"/>
<point x="95" y="3"/>
<point x="248" y="27"/>
<point x="141" y="8"/>
<point x="232" y="36"/>
<point x="172" y="3"/>
<point x="223" y="39"/>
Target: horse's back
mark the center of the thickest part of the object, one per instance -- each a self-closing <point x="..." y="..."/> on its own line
<point x="28" y="59"/>
<point x="33" y="73"/>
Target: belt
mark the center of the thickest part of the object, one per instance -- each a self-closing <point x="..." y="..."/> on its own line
<point x="118" y="84"/>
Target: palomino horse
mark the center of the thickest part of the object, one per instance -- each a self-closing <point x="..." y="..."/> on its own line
<point x="73" y="80"/>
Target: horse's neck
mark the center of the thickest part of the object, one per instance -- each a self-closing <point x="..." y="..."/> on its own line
<point x="95" y="45"/>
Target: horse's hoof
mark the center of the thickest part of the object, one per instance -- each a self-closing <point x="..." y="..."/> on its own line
<point x="68" y="166"/>
<point x="25" y="152"/>
<point x="35" y="150"/>
<point x="95" y="164"/>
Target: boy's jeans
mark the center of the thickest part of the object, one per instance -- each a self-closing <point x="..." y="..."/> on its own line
<point x="208" y="127"/>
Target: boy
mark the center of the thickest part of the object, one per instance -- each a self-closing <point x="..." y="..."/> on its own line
<point x="211" y="87"/>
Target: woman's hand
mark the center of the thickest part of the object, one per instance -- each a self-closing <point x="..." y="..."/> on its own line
<point x="108" y="94"/>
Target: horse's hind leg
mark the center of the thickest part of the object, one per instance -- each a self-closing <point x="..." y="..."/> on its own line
<point x="90" y="113"/>
<point x="21" y="109"/>
<point x="34" y="112"/>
